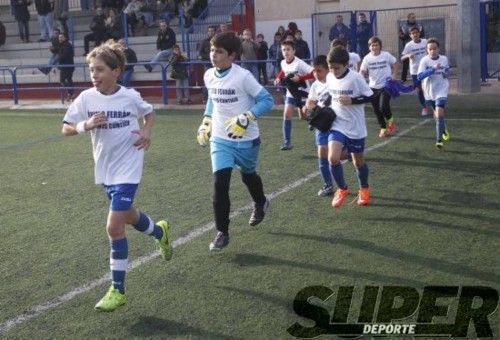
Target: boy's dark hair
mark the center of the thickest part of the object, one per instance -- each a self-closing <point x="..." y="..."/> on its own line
<point x="288" y="43"/>
<point x="260" y="35"/>
<point x="228" y="41"/>
<point x="337" y="42"/>
<point x="320" y="60"/>
<point x="414" y="28"/>
<point x="175" y="46"/>
<point x="338" y="55"/>
<point x="433" y="40"/>
<point x="375" y="40"/>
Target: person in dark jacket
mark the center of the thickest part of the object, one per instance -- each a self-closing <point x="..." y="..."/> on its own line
<point x="66" y="57"/>
<point x="44" y="11"/>
<point x="54" y="50"/>
<point x="404" y="37"/>
<point x="114" y="25"/>
<point x="364" y="31"/>
<point x="22" y="16"/>
<point x="98" y="28"/>
<point x="164" y="43"/>
<point x="131" y="58"/>
<point x="262" y="55"/>
<point x="180" y="73"/>
<point x="301" y="47"/>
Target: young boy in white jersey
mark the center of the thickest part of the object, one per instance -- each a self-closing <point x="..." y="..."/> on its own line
<point x="354" y="58"/>
<point x="111" y="113"/>
<point x="415" y="50"/>
<point x="318" y="95"/>
<point x="433" y="73"/>
<point x="380" y="65"/>
<point x="297" y="70"/>
<point x="349" y="93"/>
<point x="235" y="101"/>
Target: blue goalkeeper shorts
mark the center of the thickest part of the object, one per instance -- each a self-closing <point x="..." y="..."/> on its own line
<point x="121" y="196"/>
<point x="321" y="137"/>
<point x="352" y="145"/>
<point x="440" y="102"/>
<point x="228" y="154"/>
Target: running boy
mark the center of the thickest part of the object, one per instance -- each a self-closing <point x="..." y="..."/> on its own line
<point x="433" y="73"/>
<point x="349" y="92"/>
<point x="318" y="95"/>
<point x="111" y="112"/>
<point x="415" y="50"/>
<point x="297" y="70"/>
<point x="235" y="101"/>
<point x="380" y="65"/>
<point x="354" y="58"/>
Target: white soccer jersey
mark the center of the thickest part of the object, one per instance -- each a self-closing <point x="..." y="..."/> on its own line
<point x="419" y="50"/>
<point x="436" y="85"/>
<point x="117" y="160"/>
<point x="318" y="92"/>
<point x="350" y="119"/>
<point x="231" y="95"/>
<point x="296" y="67"/>
<point x="354" y="60"/>
<point x="378" y="68"/>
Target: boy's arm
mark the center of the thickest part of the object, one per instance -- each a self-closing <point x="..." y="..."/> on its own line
<point x="205" y="129"/>
<point x="263" y="103"/>
<point x="145" y="133"/>
<point x="395" y="68"/>
<point x="72" y="129"/>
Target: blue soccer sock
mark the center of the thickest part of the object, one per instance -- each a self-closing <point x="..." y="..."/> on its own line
<point x="338" y="175"/>
<point x="362" y="173"/>
<point x="118" y="262"/>
<point x="147" y="226"/>
<point x="287" y="130"/>
<point x="421" y="98"/>
<point x="324" y="170"/>
<point x="440" y="127"/>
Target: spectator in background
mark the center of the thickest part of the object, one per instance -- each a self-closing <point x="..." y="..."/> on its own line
<point x="404" y="36"/>
<point x="188" y="10"/>
<point x="249" y="52"/>
<point x="164" y="43"/>
<point x="133" y="13"/>
<point x="114" y="25"/>
<point x="61" y="13"/>
<point x="45" y="20"/>
<point x="339" y="30"/>
<point x="98" y="31"/>
<point x="274" y="52"/>
<point x="364" y="32"/>
<point x="199" y="9"/>
<point x="204" y="55"/>
<point x="166" y="9"/>
<point x="179" y="72"/>
<point x="301" y="47"/>
<point x="54" y="49"/>
<point x="22" y="16"/>
<point x="262" y="56"/>
<point x="131" y="58"/>
<point x="141" y="29"/>
<point x="292" y="28"/>
<point x="66" y="57"/>
<point x="148" y="10"/>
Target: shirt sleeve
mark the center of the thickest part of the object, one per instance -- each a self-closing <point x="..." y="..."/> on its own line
<point x="364" y="89"/>
<point x="313" y="96"/>
<point x="143" y="107"/>
<point x="392" y="59"/>
<point x="75" y="112"/>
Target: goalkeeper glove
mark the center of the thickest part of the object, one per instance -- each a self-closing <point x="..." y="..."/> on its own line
<point x="203" y="135"/>
<point x="237" y="126"/>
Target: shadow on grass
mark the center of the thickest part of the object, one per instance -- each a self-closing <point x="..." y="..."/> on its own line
<point x="286" y="304"/>
<point x="429" y="262"/>
<point x="434" y="224"/>
<point x="245" y="259"/>
<point x="150" y="326"/>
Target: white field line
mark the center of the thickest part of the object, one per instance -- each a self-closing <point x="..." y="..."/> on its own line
<point x="41" y="308"/>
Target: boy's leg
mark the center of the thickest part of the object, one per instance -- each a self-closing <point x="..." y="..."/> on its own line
<point x="385" y="107"/>
<point x="362" y="171"/>
<point x="221" y="205"/>
<point x="441" y="131"/>
<point x="323" y="165"/>
<point x="378" y="113"/>
<point x="287" y="125"/>
<point x="335" y="147"/>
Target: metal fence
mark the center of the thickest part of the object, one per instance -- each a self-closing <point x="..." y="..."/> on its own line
<point x="438" y="21"/>
<point x="490" y="39"/>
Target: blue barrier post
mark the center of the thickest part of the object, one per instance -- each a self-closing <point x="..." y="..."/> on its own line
<point x="484" y="51"/>
<point x="125" y="28"/>
<point x="14" y="86"/>
<point x="164" y="85"/>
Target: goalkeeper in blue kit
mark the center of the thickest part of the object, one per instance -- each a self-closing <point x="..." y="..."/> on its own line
<point x="235" y="102"/>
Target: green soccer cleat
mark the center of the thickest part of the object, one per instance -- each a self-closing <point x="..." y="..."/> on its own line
<point x="439" y="144"/>
<point x="446" y="135"/>
<point x="163" y="244"/>
<point x="111" y="301"/>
